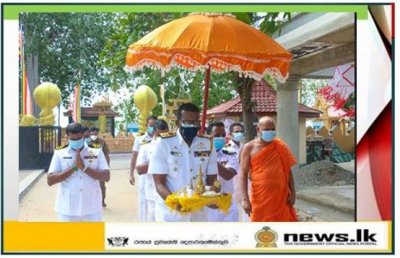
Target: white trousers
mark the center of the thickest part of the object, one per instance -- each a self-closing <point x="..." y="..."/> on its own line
<point x="237" y="197"/>
<point x="164" y="214"/>
<point x="142" y="198"/>
<point x="245" y="217"/>
<point x="95" y="217"/>
<point x="216" y="215"/>
<point x="150" y="212"/>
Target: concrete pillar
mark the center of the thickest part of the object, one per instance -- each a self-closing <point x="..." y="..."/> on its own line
<point x="288" y="116"/>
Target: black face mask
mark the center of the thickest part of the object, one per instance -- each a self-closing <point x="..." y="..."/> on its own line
<point x="188" y="133"/>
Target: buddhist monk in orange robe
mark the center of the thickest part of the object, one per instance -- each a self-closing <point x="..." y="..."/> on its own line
<point x="272" y="186"/>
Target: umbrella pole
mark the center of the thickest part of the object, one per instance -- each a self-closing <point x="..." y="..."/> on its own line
<point x="205" y="101"/>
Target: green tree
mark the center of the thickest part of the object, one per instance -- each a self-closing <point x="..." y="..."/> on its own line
<point x="269" y="23"/>
<point x="309" y="90"/>
<point x="351" y="102"/>
<point x="66" y="43"/>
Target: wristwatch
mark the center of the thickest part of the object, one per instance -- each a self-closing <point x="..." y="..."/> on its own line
<point x="85" y="168"/>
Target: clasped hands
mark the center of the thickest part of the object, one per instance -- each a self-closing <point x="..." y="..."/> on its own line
<point x="78" y="161"/>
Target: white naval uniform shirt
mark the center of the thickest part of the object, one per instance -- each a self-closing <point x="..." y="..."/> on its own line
<point x="229" y="159"/>
<point x="234" y="148"/>
<point x="79" y="194"/>
<point x="173" y="157"/>
<point x="140" y="140"/>
<point x="144" y="158"/>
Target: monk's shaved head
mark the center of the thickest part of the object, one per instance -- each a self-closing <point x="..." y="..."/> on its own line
<point x="266" y="123"/>
<point x="266" y="120"/>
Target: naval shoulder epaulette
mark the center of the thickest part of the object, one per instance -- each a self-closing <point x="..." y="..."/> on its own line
<point x="209" y="137"/>
<point x="228" y="152"/>
<point x="145" y="142"/>
<point x="140" y="134"/>
<point x="94" y="145"/>
<point x="62" y="147"/>
<point x="167" y="135"/>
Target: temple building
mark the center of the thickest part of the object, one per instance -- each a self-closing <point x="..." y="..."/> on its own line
<point x="265" y="99"/>
<point x="100" y="115"/>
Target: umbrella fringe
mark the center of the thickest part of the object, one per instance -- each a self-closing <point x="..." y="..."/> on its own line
<point x="152" y="64"/>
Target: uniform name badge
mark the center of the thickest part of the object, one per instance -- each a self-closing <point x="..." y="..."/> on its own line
<point x="90" y="157"/>
<point x="176" y="153"/>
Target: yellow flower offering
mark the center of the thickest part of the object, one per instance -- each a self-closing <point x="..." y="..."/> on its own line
<point x="195" y="203"/>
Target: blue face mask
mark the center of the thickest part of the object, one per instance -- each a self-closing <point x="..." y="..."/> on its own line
<point x="87" y="140"/>
<point x="219" y="142"/>
<point x="150" y="130"/>
<point x="268" y="136"/>
<point x="76" y="145"/>
<point x="237" y="137"/>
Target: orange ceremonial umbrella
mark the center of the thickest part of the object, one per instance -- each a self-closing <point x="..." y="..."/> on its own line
<point x="207" y="42"/>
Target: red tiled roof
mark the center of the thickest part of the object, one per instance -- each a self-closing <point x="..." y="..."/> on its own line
<point x="93" y="112"/>
<point x="265" y="97"/>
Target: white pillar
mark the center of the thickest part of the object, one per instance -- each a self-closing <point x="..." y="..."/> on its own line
<point x="287" y="127"/>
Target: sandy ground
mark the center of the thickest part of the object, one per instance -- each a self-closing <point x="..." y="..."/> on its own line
<point x="122" y="197"/>
<point x="122" y="200"/>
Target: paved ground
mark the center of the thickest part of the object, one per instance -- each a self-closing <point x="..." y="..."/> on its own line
<point x="338" y="198"/>
<point x="350" y="166"/>
<point x="122" y="199"/>
<point x="309" y="211"/>
<point x="121" y="161"/>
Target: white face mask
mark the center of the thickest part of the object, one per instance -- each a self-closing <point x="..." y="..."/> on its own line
<point x="93" y="137"/>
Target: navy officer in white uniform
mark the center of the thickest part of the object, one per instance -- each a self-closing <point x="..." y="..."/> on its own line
<point x="78" y="168"/>
<point x="228" y="167"/>
<point x="141" y="140"/>
<point x="160" y="126"/>
<point x="175" y="162"/>
<point x="236" y="132"/>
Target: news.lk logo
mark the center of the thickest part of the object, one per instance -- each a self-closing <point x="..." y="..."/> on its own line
<point x="362" y="237"/>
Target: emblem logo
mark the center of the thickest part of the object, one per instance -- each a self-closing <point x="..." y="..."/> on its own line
<point x="117" y="241"/>
<point x="201" y="146"/>
<point x="266" y="238"/>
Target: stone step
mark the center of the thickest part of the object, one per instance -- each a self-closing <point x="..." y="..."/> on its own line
<point x="28" y="181"/>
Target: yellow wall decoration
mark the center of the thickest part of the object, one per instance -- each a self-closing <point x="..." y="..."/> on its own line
<point x="47" y="96"/>
<point x="145" y="100"/>
<point x="28" y="120"/>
